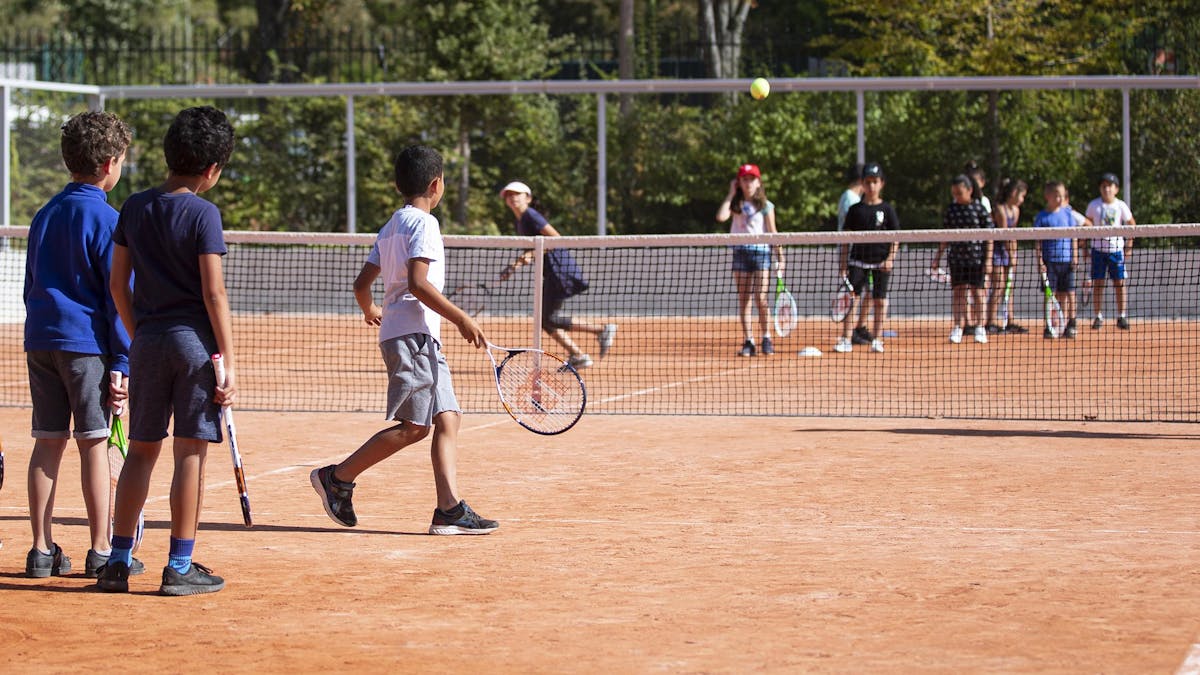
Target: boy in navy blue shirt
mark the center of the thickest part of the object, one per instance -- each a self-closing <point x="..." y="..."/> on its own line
<point x="73" y="336"/>
<point x="171" y="238"/>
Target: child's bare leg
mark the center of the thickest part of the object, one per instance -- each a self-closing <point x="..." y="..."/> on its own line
<point x="881" y="307"/>
<point x="133" y="486"/>
<point x="760" y="302"/>
<point x="1119" y="294"/>
<point x="996" y="296"/>
<point x="94" y="474"/>
<point x="187" y="486"/>
<point x="958" y="306"/>
<point x="44" y="463"/>
<point x="744" y="291"/>
<point x="560" y="336"/>
<point x="864" y="310"/>
<point x="379" y="447"/>
<point x="1098" y="295"/>
<point x="444" y="455"/>
<point x="847" y="324"/>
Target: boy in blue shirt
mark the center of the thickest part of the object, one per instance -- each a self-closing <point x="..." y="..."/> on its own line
<point x="1057" y="260"/>
<point x="171" y="238"/>
<point x="73" y="336"/>
<point x="409" y="255"/>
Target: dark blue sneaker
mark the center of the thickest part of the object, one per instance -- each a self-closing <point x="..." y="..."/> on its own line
<point x="40" y="565"/>
<point x="461" y="520"/>
<point x="199" y="579"/>
<point x="335" y="495"/>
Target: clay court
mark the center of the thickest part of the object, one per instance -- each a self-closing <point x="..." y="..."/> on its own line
<point x="656" y="543"/>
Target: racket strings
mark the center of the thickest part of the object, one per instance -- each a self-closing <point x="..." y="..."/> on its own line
<point x="540" y="391"/>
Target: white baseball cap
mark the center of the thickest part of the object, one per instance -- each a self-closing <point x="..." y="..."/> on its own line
<point x="516" y="186"/>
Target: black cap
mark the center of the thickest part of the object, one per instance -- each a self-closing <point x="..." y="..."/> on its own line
<point x="1110" y="178"/>
<point x="872" y="170"/>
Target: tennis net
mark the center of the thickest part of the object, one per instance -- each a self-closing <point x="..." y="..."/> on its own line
<point x="302" y="344"/>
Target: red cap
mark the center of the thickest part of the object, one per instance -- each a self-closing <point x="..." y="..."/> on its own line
<point x="749" y="170"/>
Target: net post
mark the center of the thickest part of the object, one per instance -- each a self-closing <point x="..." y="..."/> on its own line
<point x="539" y="278"/>
<point x="601" y="164"/>
<point x="5" y="156"/>
<point x="351" y="174"/>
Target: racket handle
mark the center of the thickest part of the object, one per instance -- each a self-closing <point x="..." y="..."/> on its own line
<point x="114" y="377"/>
<point x="218" y="362"/>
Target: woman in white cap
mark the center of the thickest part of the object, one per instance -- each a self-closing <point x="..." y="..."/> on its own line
<point x="563" y="278"/>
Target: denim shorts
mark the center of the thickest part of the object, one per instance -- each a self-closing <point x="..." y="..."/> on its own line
<point x="751" y="258"/>
<point x="1061" y="277"/>
<point x="171" y="374"/>
<point x="62" y="383"/>
<point x="419" y="384"/>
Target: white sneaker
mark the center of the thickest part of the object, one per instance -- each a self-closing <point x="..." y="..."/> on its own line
<point x="580" y="361"/>
<point x="606" y="338"/>
<point x="981" y="335"/>
<point x="843" y="346"/>
<point x="956" y="335"/>
<point x="877" y="346"/>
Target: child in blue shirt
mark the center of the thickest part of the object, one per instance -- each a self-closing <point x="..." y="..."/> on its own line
<point x="1057" y="259"/>
<point x="73" y="336"/>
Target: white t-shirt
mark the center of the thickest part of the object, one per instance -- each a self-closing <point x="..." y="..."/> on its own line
<point x="749" y="220"/>
<point x="1108" y="215"/>
<point x="410" y="233"/>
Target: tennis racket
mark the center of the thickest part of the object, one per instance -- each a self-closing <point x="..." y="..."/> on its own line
<point x="118" y="450"/>
<point x="786" y="311"/>
<point x="227" y="416"/>
<point x="842" y="300"/>
<point x="539" y="390"/>
<point x="1055" y="321"/>
<point x="471" y="298"/>
<point x="1007" y="302"/>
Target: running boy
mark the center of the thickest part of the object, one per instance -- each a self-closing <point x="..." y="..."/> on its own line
<point x="863" y="264"/>
<point x="178" y="314"/>
<point x="1110" y="253"/>
<point x="1057" y="259"/>
<point x="970" y="261"/>
<point x="408" y="253"/>
<point x="73" y="336"/>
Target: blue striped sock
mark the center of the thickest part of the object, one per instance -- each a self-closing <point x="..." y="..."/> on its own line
<point x="181" y="554"/>
<point x="122" y="550"/>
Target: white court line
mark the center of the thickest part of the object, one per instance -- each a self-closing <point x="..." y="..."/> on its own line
<point x="672" y="385"/>
<point x="1191" y="664"/>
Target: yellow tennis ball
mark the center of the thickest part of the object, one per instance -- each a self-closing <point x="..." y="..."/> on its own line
<point x="759" y="88"/>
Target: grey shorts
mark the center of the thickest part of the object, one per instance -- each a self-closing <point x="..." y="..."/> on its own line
<point x="62" y="383"/>
<point x="419" y="384"/>
<point x="172" y="374"/>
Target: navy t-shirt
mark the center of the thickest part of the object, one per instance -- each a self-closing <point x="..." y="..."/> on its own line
<point x="166" y="233"/>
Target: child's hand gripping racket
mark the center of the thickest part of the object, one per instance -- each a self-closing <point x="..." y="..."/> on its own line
<point x="1055" y="321"/>
<point x="238" y="474"/>
<point x="539" y="390"/>
<point x="842" y="300"/>
<point x="118" y="450"/>
<point x="786" y="311"/>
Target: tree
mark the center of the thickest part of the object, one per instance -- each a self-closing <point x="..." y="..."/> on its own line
<point x="722" y="23"/>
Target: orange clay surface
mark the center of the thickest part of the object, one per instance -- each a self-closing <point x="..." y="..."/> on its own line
<point x="654" y="544"/>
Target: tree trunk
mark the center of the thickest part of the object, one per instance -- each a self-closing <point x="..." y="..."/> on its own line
<point x="625" y="55"/>
<point x="464" y="171"/>
<point x="272" y="32"/>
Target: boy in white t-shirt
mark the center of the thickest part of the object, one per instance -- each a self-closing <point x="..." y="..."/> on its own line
<point x="1110" y="253"/>
<point x="409" y="255"/>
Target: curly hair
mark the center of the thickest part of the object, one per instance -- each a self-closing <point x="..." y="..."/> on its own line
<point x="90" y="139"/>
<point x="198" y="138"/>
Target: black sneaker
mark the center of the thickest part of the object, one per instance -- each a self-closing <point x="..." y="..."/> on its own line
<point x="40" y="565"/>
<point x="1097" y="323"/>
<point x="96" y="561"/>
<point x="747" y="349"/>
<point x="768" y="347"/>
<point x="861" y="336"/>
<point x="993" y="329"/>
<point x="1122" y="323"/>
<point x="1016" y="329"/>
<point x="1069" y="333"/>
<point x="113" y="577"/>
<point x="335" y="495"/>
<point x="1047" y="334"/>
<point x="199" y="579"/>
<point x="461" y="520"/>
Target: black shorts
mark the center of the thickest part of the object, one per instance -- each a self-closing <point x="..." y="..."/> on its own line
<point x="966" y="275"/>
<point x="874" y="281"/>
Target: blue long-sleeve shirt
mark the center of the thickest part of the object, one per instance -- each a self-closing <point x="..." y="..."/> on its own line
<point x="68" y="306"/>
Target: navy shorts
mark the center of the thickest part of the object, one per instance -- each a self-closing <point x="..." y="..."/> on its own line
<point x="751" y="258"/>
<point x="1108" y="264"/>
<point x="172" y="374"/>
<point x="966" y="275"/>
<point x="66" y="383"/>
<point x="1061" y="277"/>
